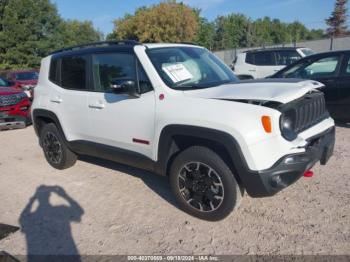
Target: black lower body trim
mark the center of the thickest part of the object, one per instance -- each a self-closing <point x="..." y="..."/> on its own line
<point x="113" y="154"/>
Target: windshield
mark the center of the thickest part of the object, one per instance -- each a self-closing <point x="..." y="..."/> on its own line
<point x="27" y="76"/>
<point x="307" y="51"/>
<point x="184" y="68"/>
<point x="3" y="82"/>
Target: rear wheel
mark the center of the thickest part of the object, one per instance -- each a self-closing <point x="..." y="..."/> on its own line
<point x="57" y="154"/>
<point x="203" y="184"/>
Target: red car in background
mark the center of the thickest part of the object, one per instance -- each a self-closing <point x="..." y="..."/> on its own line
<point x="14" y="107"/>
<point x="24" y="79"/>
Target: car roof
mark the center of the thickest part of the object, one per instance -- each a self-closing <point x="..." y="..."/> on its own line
<point x="273" y="49"/>
<point x="125" y="46"/>
<point x="321" y="54"/>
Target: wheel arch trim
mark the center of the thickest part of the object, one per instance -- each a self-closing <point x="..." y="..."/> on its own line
<point x="167" y="147"/>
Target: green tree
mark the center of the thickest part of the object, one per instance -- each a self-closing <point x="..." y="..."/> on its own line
<point x="205" y="34"/>
<point x="27" y="35"/>
<point x="165" y="22"/>
<point x="298" y="32"/>
<point x="74" y="32"/>
<point x="30" y="29"/>
<point x="337" y="21"/>
<point x="232" y="31"/>
<point x="315" y="34"/>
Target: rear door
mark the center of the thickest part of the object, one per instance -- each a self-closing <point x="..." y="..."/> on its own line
<point x="68" y="96"/>
<point x="343" y="110"/>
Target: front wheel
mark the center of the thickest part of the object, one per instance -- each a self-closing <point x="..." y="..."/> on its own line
<point x="203" y="184"/>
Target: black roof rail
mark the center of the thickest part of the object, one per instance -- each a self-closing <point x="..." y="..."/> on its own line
<point x="97" y="44"/>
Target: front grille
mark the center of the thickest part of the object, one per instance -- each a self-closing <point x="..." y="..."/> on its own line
<point x="307" y="111"/>
<point x="9" y="100"/>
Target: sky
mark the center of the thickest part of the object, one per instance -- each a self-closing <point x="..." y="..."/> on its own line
<point x="102" y="12"/>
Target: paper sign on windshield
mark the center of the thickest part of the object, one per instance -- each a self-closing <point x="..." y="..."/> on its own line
<point x="177" y="73"/>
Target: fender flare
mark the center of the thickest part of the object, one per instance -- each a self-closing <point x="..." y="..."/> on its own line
<point x="166" y="146"/>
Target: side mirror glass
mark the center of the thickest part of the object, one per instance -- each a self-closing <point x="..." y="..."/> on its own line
<point x="125" y="86"/>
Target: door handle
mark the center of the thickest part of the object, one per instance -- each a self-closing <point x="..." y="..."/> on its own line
<point x="56" y="100"/>
<point x="97" y="106"/>
<point x="252" y="70"/>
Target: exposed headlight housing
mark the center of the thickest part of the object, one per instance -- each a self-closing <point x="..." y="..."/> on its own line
<point x="287" y="125"/>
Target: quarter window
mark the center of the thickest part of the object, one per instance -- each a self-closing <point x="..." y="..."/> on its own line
<point x="73" y="72"/>
<point x="53" y="74"/>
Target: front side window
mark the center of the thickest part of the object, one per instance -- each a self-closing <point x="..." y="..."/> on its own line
<point x="286" y="57"/>
<point x="307" y="51"/>
<point x="111" y="67"/>
<point x="190" y="67"/>
<point x="323" y="67"/>
<point x="73" y="72"/>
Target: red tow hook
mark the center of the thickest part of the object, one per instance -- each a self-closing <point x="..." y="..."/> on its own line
<point x="309" y="173"/>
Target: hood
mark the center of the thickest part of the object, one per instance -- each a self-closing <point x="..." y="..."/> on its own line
<point x="276" y="90"/>
<point x="27" y="82"/>
<point x="9" y="91"/>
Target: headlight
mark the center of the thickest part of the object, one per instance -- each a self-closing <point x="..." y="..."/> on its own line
<point x="287" y="125"/>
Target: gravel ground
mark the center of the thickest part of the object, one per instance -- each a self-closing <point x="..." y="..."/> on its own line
<point x="99" y="207"/>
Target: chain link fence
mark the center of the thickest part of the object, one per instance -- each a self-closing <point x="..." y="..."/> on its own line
<point x="322" y="45"/>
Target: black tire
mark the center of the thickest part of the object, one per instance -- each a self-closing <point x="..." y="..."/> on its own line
<point x="185" y="186"/>
<point x="57" y="154"/>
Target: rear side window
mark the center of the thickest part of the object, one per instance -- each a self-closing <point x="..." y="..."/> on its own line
<point x="264" y="58"/>
<point x="53" y="74"/>
<point x="260" y="58"/>
<point x="286" y="57"/>
<point x="73" y="72"/>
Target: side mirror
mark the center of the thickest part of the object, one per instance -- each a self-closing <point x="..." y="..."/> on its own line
<point x="125" y="87"/>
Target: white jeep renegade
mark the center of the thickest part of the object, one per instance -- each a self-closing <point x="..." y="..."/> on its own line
<point x="177" y="110"/>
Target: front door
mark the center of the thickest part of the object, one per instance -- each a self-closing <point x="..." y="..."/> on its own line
<point x="116" y="119"/>
<point x="343" y="111"/>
